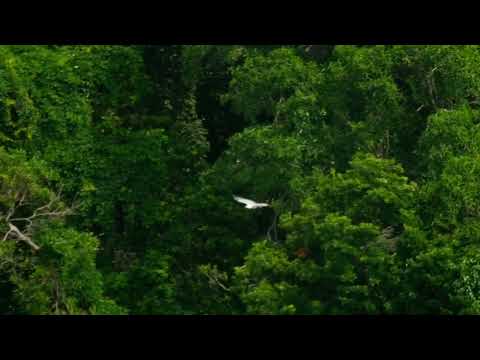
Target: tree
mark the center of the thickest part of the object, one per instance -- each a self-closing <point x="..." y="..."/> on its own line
<point x="54" y="271"/>
<point x="340" y="246"/>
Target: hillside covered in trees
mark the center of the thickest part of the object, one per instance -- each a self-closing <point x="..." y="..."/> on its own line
<point x="118" y="167"/>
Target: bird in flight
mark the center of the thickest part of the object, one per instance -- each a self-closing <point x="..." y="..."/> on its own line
<point x="249" y="204"/>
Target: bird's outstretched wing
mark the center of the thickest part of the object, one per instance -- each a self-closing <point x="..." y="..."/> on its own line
<point x="244" y="201"/>
<point x="249" y="204"/>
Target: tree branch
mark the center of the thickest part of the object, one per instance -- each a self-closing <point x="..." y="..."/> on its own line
<point x="215" y="280"/>
<point x="48" y="210"/>
<point x="22" y="237"/>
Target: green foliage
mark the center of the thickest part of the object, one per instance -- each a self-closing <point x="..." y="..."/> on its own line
<point x="453" y="198"/>
<point x="259" y="281"/>
<point x="147" y="287"/>
<point x="263" y="82"/>
<point x="335" y="259"/>
<point x="118" y="165"/>
<point x="63" y="279"/>
<point x="448" y="134"/>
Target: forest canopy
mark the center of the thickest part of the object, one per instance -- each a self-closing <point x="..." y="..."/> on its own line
<point x="119" y="166"/>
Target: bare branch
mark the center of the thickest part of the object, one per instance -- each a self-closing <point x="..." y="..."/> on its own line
<point x="22" y="237"/>
<point x="432" y="89"/>
<point x="10" y="213"/>
<point x="52" y="209"/>
<point x="420" y="107"/>
<point x="215" y="280"/>
<point x="22" y="219"/>
<point x="6" y="235"/>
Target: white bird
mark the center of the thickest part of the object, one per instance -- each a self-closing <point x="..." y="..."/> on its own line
<point x="249" y="204"/>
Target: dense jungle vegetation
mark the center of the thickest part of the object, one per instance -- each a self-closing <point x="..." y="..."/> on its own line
<point x="118" y="167"/>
